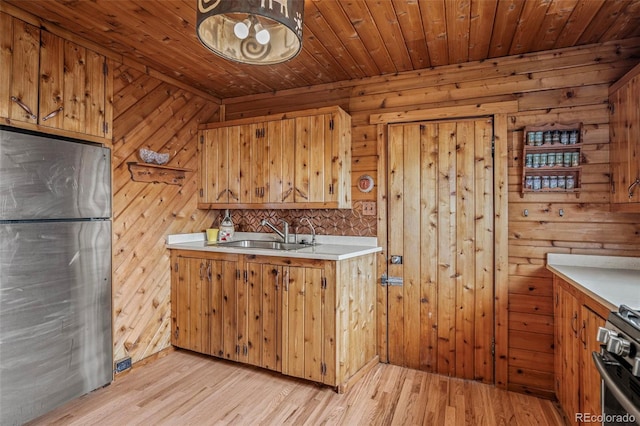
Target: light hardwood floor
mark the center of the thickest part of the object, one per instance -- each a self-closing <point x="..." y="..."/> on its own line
<point x="183" y="388"/>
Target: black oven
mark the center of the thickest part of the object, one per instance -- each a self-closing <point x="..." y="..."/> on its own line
<point x="618" y="363"/>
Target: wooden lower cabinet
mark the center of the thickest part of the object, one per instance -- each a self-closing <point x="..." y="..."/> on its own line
<point x="577" y="382"/>
<point x="313" y="319"/>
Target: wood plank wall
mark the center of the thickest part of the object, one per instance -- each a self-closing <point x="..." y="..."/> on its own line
<point x="565" y="85"/>
<point x="156" y="115"/>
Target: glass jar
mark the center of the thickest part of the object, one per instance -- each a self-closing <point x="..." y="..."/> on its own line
<point x="567" y="159"/>
<point x="538" y="140"/>
<point x="570" y="182"/>
<point x="529" y="160"/>
<point x="555" y="137"/>
<point x="543" y="159"/>
<point x="546" y="137"/>
<point x="573" y="137"/>
<point x="559" y="157"/>
<point x="553" y="182"/>
<point x="562" y="182"/>
<point x="531" y="138"/>
<point x="536" y="160"/>
<point x="545" y="182"/>
<point x="537" y="183"/>
<point x="564" y="137"/>
<point x="551" y="159"/>
<point x="575" y="159"/>
<point x="528" y="182"/>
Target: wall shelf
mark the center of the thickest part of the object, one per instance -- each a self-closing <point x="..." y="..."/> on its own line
<point x="552" y="159"/>
<point x="152" y="173"/>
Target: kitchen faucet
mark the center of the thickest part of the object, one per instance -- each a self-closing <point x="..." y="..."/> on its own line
<point x="313" y="230"/>
<point x="285" y="229"/>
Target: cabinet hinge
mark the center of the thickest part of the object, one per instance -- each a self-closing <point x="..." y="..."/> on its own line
<point x="237" y="274"/>
<point x="331" y="188"/>
<point x="175" y="267"/>
<point x="324" y="282"/>
<point x="323" y="369"/>
<point x="176" y="333"/>
<point x="493" y="146"/>
<point x="493" y="346"/>
<point x="331" y="124"/>
<point x="105" y="68"/>
<point x="105" y="127"/>
<point x="238" y="349"/>
<point x="245" y="350"/>
<point x="201" y="192"/>
<point x="246" y="276"/>
<point x="201" y="138"/>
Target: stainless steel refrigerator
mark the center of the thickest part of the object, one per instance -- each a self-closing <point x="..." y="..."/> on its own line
<point x="55" y="273"/>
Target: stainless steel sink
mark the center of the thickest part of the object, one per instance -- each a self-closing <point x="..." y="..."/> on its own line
<point x="261" y="244"/>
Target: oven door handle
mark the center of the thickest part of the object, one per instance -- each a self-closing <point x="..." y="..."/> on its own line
<point x="612" y="386"/>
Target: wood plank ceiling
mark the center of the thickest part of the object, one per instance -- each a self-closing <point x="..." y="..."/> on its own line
<point x="344" y="40"/>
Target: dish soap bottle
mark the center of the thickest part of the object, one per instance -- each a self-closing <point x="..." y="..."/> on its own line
<point x="226" y="227"/>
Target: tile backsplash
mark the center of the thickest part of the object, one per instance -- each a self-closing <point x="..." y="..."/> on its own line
<point x="346" y="222"/>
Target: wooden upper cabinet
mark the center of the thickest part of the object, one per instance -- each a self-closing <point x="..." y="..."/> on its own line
<point x="295" y="160"/>
<point x="219" y="166"/>
<point x="323" y="159"/>
<point x="53" y="85"/>
<point x="624" y="130"/>
<point x="19" y="67"/>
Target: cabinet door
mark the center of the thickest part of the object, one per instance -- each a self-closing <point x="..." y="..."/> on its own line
<point x="280" y="161"/>
<point x="568" y="374"/>
<point x="313" y="146"/>
<point x="223" y="309"/>
<point x="72" y="87"/>
<point x="19" y="46"/>
<point x="625" y="145"/>
<point x="590" y="378"/>
<point x="219" y="166"/>
<point x="264" y="305"/>
<point x="190" y="301"/>
<point x="302" y="343"/>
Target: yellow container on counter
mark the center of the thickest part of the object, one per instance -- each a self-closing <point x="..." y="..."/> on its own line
<point x="212" y="235"/>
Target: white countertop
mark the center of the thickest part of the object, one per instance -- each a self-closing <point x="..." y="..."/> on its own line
<point x="327" y="247"/>
<point x="611" y="280"/>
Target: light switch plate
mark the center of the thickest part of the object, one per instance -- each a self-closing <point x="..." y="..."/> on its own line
<point x="369" y="208"/>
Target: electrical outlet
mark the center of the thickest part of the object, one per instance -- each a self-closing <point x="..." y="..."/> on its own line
<point x="369" y="208"/>
<point x="123" y="364"/>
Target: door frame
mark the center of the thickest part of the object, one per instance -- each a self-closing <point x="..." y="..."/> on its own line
<point x="499" y="111"/>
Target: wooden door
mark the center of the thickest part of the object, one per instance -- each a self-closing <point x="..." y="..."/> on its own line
<point x="19" y="46"/>
<point x="302" y="343"/>
<point x="190" y="301"/>
<point x="72" y="87"/>
<point x="590" y="378"/>
<point x="222" y="310"/>
<point x="440" y="219"/>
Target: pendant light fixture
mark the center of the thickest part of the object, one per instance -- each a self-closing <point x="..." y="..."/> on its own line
<point x="259" y="32"/>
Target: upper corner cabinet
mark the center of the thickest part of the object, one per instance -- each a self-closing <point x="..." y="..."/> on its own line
<point x="51" y="84"/>
<point x="300" y="159"/>
<point x="624" y="133"/>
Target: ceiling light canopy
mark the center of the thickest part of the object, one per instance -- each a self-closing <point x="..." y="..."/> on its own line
<point x="260" y="32"/>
